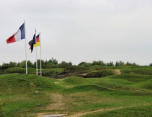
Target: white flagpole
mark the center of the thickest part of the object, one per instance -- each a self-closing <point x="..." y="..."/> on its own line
<point x="36" y="57"/>
<point x="40" y="57"/>
<point x="25" y="51"/>
<point x="36" y="63"/>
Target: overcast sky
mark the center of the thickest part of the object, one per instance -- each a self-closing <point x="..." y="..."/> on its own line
<point x="79" y="30"/>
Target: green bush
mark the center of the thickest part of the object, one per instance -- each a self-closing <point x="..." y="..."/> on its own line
<point x="101" y="73"/>
<point x="1" y="71"/>
<point x="51" y="72"/>
<point x="143" y="71"/>
<point x="15" y="70"/>
<point x="2" y="114"/>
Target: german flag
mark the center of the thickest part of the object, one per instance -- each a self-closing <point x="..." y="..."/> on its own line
<point x="32" y="42"/>
<point x="37" y="41"/>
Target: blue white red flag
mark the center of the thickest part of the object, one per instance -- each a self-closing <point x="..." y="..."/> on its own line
<point x="19" y="35"/>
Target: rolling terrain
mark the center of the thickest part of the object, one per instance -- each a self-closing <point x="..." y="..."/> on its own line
<point x="127" y="93"/>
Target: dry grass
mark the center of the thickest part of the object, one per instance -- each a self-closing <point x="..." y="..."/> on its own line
<point x="57" y="102"/>
<point x="56" y="105"/>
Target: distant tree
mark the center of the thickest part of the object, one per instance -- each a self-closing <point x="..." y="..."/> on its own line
<point x="84" y="64"/>
<point x="51" y="63"/>
<point x="131" y="64"/>
<point x="30" y="64"/>
<point x="22" y="64"/>
<point x="150" y="64"/>
<point x="119" y="63"/>
<point x="44" y="63"/>
<point x="12" y="64"/>
<point x="98" y="63"/>
<point x="64" y="64"/>
<point x="110" y="64"/>
<point x="4" y="66"/>
<point x="7" y="65"/>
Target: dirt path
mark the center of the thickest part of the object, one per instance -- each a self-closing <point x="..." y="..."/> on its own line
<point x="104" y="110"/>
<point x="117" y="71"/>
<point x="57" y="102"/>
<point x="56" y="105"/>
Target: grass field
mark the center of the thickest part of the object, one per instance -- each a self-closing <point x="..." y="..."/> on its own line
<point x="126" y="95"/>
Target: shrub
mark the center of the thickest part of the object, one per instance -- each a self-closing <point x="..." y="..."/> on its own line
<point x="119" y="63"/>
<point x="51" y="72"/>
<point x="2" y="114"/>
<point x="64" y="64"/>
<point x="15" y="70"/>
<point x="138" y="71"/>
<point x="84" y="64"/>
<point x="98" y="63"/>
<point x="100" y="73"/>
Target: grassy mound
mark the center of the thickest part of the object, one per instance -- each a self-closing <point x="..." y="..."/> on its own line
<point x="26" y="95"/>
<point x="22" y="81"/>
<point x="133" y="77"/>
<point x="21" y="94"/>
<point x="141" y="111"/>
<point x="146" y="84"/>
<point x="86" y="88"/>
<point x="138" y="70"/>
<point x="74" y="80"/>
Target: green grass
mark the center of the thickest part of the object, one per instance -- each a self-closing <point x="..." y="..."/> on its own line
<point x="141" y="111"/>
<point x="142" y="70"/>
<point x="18" y="97"/>
<point x="17" y="93"/>
<point x="113" y="91"/>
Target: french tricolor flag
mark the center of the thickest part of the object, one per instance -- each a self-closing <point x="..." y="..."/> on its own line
<point x="19" y="35"/>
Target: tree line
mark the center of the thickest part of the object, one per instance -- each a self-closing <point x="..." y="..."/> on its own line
<point x="53" y="63"/>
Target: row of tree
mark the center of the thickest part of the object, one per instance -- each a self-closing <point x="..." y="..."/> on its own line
<point x="53" y="63"/>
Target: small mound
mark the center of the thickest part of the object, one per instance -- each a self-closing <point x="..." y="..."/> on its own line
<point x="133" y="77"/>
<point x="139" y="111"/>
<point x="115" y="83"/>
<point x="141" y="71"/>
<point x="25" y="81"/>
<point x="87" y="88"/>
<point x="75" y="80"/>
<point x="147" y="84"/>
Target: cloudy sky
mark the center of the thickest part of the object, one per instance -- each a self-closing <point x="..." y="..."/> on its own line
<point x="79" y="30"/>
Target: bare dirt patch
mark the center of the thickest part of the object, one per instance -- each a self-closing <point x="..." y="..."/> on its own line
<point x="117" y="71"/>
<point x="57" y="105"/>
<point x="58" y="102"/>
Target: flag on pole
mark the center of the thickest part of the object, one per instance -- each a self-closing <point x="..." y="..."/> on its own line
<point x="32" y="42"/>
<point x="37" y="41"/>
<point x="19" y="35"/>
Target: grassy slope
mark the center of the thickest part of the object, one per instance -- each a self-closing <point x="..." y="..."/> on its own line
<point x="18" y="95"/>
<point x="107" y="92"/>
<point x="140" y="111"/>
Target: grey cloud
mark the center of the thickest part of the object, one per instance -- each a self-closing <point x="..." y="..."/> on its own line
<point x="80" y="30"/>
